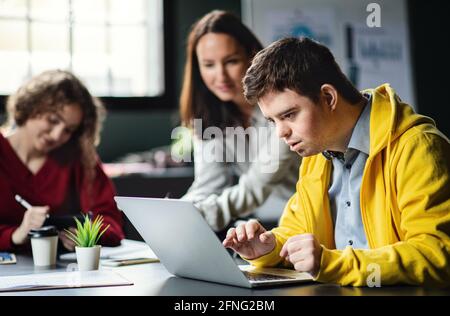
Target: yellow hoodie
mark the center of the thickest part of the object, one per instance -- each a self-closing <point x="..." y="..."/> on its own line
<point x="404" y="199"/>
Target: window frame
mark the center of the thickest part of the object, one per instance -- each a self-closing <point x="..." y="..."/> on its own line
<point x="166" y="101"/>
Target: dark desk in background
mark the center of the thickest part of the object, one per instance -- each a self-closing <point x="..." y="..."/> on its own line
<point x="146" y="182"/>
<point x="153" y="279"/>
<point x="155" y="183"/>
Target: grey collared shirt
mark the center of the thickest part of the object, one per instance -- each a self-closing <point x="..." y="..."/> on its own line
<point x="344" y="191"/>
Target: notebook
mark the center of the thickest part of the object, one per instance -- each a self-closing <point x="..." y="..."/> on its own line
<point x="127" y="262"/>
<point x="129" y="252"/>
<point x="61" y="280"/>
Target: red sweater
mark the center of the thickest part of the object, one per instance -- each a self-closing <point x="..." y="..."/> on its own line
<point x="61" y="186"/>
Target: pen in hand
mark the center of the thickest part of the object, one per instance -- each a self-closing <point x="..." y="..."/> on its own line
<point x="24" y="203"/>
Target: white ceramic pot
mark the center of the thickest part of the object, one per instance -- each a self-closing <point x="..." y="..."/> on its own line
<point x="88" y="258"/>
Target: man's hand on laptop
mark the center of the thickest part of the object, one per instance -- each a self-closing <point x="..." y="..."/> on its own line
<point x="250" y="240"/>
<point x="304" y="252"/>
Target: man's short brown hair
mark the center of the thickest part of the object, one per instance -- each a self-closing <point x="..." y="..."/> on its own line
<point x="299" y="64"/>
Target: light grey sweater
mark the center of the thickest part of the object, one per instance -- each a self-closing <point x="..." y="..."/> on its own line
<point x="266" y="168"/>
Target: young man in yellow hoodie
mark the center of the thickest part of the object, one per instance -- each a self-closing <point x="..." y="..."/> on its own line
<point x="374" y="187"/>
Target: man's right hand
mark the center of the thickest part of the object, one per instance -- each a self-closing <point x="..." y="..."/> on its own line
<point x="33" y="218"/>
<point x="250" y="240"/>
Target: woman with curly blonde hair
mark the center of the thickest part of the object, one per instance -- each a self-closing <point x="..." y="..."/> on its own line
<point x="48" y="156"/>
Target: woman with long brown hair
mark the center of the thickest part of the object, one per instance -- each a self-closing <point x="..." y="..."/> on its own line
<point x="48" y="157"/>
<point x="219" y="51"/>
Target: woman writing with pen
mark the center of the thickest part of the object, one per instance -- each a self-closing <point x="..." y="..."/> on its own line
<point x="48" y="159"/>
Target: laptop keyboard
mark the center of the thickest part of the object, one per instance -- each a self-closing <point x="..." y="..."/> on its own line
<point x="252" y="276"/>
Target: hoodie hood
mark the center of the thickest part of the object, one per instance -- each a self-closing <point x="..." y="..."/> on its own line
<point x="391" y="119"/>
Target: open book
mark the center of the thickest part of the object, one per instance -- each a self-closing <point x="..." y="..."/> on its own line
<point x="61" y="280"/>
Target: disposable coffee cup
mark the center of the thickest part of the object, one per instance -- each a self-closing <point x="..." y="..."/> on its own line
<point x="44" y="244"/>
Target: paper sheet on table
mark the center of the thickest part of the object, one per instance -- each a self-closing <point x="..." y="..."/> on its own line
<point x="128" y="249"/>
<point x="61" y="280"/>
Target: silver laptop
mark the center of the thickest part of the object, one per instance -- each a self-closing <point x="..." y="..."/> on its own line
<point x="187" y="246"/>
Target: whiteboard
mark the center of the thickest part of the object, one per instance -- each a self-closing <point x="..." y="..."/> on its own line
<point x="379" y="54"/>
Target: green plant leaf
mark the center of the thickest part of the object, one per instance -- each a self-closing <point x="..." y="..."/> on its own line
<point x="102" y="232"/>
<point x="72" y="237"/>
<point x="87" y="233"/>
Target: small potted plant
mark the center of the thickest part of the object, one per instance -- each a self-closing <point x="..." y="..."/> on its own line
<point x="86" y="238"/>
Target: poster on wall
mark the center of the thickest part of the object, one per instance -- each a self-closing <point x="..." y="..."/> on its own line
<point x="378" y="54"/>
<point x="369" y="55"/>
<point x="317" y="24"/>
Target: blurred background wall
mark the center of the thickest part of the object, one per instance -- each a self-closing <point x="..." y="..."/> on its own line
<point x="139" y="129"/>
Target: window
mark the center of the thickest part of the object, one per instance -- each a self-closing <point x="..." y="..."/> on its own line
<point x="115" y="46"/>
